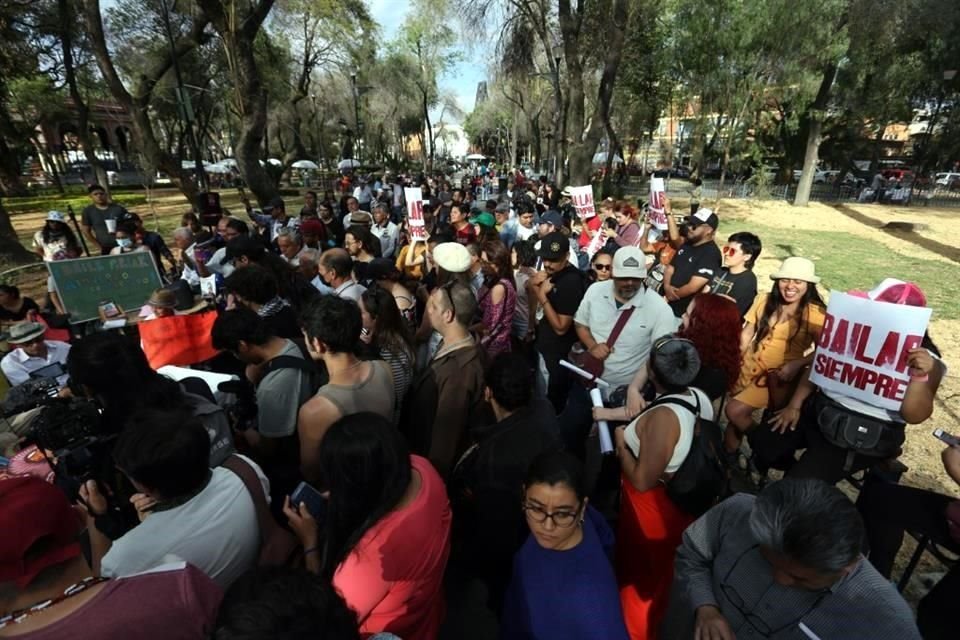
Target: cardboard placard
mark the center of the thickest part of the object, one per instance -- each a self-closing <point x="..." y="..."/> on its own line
<point x="657" y="215"/>
<point x="582" y="198"/>
<point x="179" y="340"/>
<point x="863" y="349"/>
<point x="415" y="224"/>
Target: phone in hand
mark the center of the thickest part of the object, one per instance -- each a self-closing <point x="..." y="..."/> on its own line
<point x="315" y="502"/>
<point x="951" y="440"/>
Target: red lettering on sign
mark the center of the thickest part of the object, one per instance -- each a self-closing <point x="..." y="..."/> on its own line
<point x="862" y="345"/>
<point x="839" y="344"/>
<point x="825" y="332"/>
<point x="888" y="351"/>
<point x="910" y="342"/>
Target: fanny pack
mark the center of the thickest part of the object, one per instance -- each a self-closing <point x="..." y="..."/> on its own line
<point x="856" y="432"/>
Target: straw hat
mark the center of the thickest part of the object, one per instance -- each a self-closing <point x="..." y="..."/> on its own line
<point x="797" y="268"/>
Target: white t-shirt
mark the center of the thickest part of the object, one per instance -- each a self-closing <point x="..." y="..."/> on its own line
<point x="216" y="531"/>
<point x="687" y="423"/>
<point x="54" y="250"/>
<point x="525" y="233"/>
<point x="651" y="319"/>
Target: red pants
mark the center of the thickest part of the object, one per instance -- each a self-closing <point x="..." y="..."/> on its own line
<point x="648" y="535"/>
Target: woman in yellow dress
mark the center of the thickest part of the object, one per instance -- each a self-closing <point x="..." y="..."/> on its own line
<point x="779" y="330"/>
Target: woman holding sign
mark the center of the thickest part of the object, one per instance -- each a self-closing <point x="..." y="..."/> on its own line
<point x="841" y="433"/>
<point x="779" y="329"/>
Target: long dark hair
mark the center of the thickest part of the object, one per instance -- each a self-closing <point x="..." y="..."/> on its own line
<point x="775" y="301"/>
<point x="365" y="464"/>
<point x="72" y="245"/>
<point x="390" y="331"/>
<point x="499" y="258"/>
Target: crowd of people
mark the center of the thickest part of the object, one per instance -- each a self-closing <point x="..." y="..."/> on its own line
<point x="421" y="406"/>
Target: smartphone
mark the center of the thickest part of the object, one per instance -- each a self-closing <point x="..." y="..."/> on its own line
<point x="110" y="309"/>
<point x="539" y="264"/>
<point x="952" y="440"/>
<point x="54" y="370"/>
<point x="316" y="504"/>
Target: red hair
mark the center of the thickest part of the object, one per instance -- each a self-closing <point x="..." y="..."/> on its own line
<point x="714" y="329"/>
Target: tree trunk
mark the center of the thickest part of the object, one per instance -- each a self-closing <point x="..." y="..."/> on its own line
<point x="583" y="144"/>
<point x="137" y="103"/>
<point x="11" y="251"/>
<point x="816" y="115"/>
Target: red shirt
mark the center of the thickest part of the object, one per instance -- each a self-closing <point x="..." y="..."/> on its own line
<point x="465" y="235"/>
<point x="593" y="224"/>
<point x="172" y="602"/>
<point x="393" y="578"/>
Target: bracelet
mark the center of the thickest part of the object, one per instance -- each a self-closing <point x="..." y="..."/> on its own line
<point x="922" y="378"/>
<point x="307" y="552"/>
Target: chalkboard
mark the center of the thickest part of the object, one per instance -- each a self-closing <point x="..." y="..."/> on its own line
<point x="127" y="279"/>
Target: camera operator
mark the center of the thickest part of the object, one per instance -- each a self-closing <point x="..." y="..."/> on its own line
<point x="281" y="378"/>
<point x="32" y="353"/>
<point x="113" y="370"/>
<point x="47" y="589"/>
<point x="201" y="515"/>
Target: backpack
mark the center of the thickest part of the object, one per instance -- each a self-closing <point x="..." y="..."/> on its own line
<point x="701" y="479"/>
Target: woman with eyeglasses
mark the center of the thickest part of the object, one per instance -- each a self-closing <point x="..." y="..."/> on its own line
<point x="563" y="584"/>
<point x="601" y="267"/>
<point x="651" y="450"/>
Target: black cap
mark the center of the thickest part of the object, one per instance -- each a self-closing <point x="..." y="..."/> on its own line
<point x="554" y="246"/>
<point x="703" y="216"/>
<point x="276" y="202"/>
<point x="552" y="217"/>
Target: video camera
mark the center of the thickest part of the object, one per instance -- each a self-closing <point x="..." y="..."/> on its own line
<point x="242" y="413"/>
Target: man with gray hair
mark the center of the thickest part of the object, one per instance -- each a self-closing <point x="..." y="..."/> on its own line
<point x="309" y="267"/>
<point x="784" y="564"/>
<point x="387" y="232"/>
<point x="183" y="238"/>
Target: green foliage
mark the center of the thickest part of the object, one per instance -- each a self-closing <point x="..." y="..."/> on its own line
<point x="38" y="204"/>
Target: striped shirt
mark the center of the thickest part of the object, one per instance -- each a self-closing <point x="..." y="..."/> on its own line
<point x="401" y="368"/>
<point x="719" y="563"/>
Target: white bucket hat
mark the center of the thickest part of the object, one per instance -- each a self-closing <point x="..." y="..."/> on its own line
<point x="797" y="268"/>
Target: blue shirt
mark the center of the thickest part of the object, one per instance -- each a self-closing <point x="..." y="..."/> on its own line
<point x="565" y="594"/>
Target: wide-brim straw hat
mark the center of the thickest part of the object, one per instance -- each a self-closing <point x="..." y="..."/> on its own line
<point x="797" y="268"/>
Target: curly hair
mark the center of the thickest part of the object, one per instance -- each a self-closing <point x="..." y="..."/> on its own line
<point x="714" y="329"/>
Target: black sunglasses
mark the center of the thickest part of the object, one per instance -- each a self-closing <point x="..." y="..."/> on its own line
<point x="603" y="267"/>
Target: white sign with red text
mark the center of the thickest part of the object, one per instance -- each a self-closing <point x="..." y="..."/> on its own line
<point x="657" y="215"/>
<point x="864" y="347"/>
<point x="582" y="198"/>
<point x="415" y="223"/>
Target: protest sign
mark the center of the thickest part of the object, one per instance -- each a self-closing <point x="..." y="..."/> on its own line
<point x="582" y="198"/>
<point x="180" y="340"/>
<point x="864" y="346"/>
<point x="596" y="243"/>
<point x="657" y="215"/>
<point x="415" y="222"/>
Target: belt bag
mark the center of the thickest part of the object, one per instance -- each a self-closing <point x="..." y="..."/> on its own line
<point x="851" y="430"/>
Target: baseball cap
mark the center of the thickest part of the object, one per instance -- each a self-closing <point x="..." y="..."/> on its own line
<point x="896" y="292"/>
<point x="452" y="257"/>
<point x="552" y="217"/>
<point x="55" y="216"/>
<point x="484" y="219"/>
<point x="33" y="511"/>
<point x="276" y="202"/>
<point x="554" y="246"/>
<point x="703" y="216"/>
<point x="629" y="262"/>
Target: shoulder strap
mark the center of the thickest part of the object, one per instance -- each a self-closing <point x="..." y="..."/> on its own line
<point x="251" y="481"/>
<point x="288" y="362"/>
<point x="679" y="402"/>
<point x="621" y="323"/>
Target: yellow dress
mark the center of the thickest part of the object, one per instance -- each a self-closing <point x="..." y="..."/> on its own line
<point x="776" y="350"/>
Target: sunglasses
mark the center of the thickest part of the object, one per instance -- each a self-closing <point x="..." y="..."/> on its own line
<point x="602" y="267"/>
<point x="730" y="251"/>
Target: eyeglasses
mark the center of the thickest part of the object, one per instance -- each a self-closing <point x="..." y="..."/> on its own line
<point x="730" y="251"/>
<point x="448" y="289"/>
<point x="562" y="519"/>
<point x="602" y="267"/>
<point x="759" y="624"/>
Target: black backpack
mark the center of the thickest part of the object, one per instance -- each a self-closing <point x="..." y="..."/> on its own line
<point x="316" y="374"/>
<point x="701" y="479"/>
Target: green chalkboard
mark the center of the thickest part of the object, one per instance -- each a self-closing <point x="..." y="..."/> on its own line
<point x="127" y="279"/>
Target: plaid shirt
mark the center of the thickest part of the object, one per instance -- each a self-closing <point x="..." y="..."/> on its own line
<point x="719" y="563"/>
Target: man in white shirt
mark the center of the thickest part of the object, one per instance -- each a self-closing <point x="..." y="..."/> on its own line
<point x="386" y="231"/>
<point x="204" y="516"/>
<point x="32" y="353"/>
<point x="363" y="194"/>
<point x="336" y="269"/>
<point x="604" y="306"/>
<point x="183" y="238"/>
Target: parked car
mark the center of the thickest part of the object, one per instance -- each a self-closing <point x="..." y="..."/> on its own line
<point x="947" y="179"/>
<point x="897" y="175"/>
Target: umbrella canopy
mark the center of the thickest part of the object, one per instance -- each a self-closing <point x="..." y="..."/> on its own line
<point x="347" y="163"/>
<point x="274" y="162"/>
<point x="601" y="158"/>
<point x="305" y="164"/>
<point x="476" y="156"/>
<point x="228" y="162"/>
<point x="217" y="168"/>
